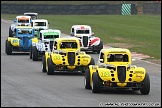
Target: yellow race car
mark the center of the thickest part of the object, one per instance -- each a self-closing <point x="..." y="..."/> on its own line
<point x="66" y="56"/>
<point x="114" y="70"/>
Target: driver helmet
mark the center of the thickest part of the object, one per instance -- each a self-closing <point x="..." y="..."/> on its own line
<point x="118" y="57"/>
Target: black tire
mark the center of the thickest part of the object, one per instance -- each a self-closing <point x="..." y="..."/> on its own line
<point x="92" y="62"/>
<point x="96" y="83"/>
<point x="50" y="67"/>
<point x="34" y="53"/>
<point x="10" y="32"/>
<point x="135" y="88"/>
<point x="100" y="46"/>
<point x="30" y="54"/>
<point x="87" y="79"/>
<point x="146" y="86"/>
<point x="44" y="64"/>
<point x="8" y="48"/>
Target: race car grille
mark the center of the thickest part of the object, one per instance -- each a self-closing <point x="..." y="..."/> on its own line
<point x="121" y="71"/>
<point x="71" y="58"/>
<point x="51" y="45"/>
<point x="25" y="42"/>
<point x="85" y="41"/>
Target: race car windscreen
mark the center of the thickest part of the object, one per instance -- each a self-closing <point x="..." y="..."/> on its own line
<point x="117" y="58"/>
<point x="23" y="21"/>
<point x="72" y="45"/>
<point x="50" y="36"/>
<point x="40" y="24"/>
<point x="24" y="31"/>
<point x="82" y="31"/>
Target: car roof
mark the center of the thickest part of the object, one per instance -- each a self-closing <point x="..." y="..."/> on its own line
<point x="67" y="38"/>
<point x="24" y="27"/>
<point x="23" y="16"/>
<point x="39" y="20"/>
<point x="31" y="13"/>
<point x="50" y="30"/>
<point x="81" y="26"/>
<point x="116" y="50"/>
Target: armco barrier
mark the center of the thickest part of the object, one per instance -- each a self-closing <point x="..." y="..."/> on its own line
<point x="86" y="9"/>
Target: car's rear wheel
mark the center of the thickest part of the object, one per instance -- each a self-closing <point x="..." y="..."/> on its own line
<point x="44" y="64"/>
<point x="87" y="79"/>
<point x="96" y="83"/>
<point x="100" y="46"/>
<point x="50" y="67"/>
<point x="92" y="62"/>
<point x="8" y="48"/>
<point x="35" y="53"/>
<point x="146" y="86"/>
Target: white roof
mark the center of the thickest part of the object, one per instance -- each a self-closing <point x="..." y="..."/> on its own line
<point x="87" y="26"/>
<point x="23" y="16"/>
<point x="54" y="30"/>
<point x="39" y="20"/>
<point x="31" y="13"/>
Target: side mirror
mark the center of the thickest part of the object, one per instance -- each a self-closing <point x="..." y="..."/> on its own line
<point x="14" y="21"/>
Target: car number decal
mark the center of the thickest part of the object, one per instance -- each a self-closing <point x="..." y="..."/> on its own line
<point x="14" y="41"/>
<point x="105" y="74"/>
<point x="56" y="57"/>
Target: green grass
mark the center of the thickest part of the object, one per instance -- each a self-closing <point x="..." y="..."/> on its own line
<point x="141" y="33"/>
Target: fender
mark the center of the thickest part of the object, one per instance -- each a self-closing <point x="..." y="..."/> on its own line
<point x="39" y="46"/>
<point x="84" y="59"/>
<point x="92" y="69"/>
<point x="35" y="40"/>
<point x="57" y="58"/>
<point x="14" y="41"/>
<point x="139" y="74"/>
<point x="94" y="41"/>
<point x="47" y="55"/>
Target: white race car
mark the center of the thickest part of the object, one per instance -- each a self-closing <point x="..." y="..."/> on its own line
<point x="19" y="21"/>
<point x="44" y="43"/>
<point x="88" y="41"/>
<point x="40" y="24"/>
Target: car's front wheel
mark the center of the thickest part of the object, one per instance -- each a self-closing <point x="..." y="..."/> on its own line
<point x="50" y="67"/>
<point x="87" y="79"/>
<point x="96" y="83"/>
<point x="8" y="48"/>
<point x="146" y="86"/>
<point x="44" y="64"/>
<point x="34" y="53"/>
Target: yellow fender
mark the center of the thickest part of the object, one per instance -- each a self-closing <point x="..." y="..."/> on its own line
<point x="47" y="55"/>
<point x="34" y="40"/>
<point x="85" y="59"/>
<point x="14" y="41"/>
<point x="139" y="74"/>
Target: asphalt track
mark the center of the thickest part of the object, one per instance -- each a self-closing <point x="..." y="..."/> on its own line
<point x="24" y="85"/>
